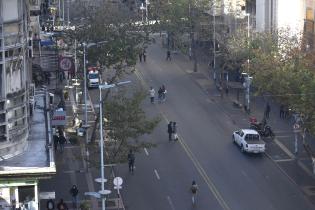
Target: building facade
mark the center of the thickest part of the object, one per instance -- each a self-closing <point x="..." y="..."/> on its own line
<point x="15" y="78"/>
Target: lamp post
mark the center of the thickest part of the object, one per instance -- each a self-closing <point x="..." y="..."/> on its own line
<point x="85" y="94"/>
<point x="247" y="14"/>
<point x="214" y="45"/>
<point x="101" y="87"/>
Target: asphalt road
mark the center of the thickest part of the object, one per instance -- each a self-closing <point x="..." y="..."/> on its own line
<point x="227" y="178"/>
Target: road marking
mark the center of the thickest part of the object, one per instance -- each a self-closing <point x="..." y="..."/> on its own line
<point x="146" y="151"/>
<point x="284" y="136"/>
<point x="192" y="157"/>
<point x="156" y="174"/>
<point x="305" y="168"/>
<point x="170" y="202"/>
<point x="284" y="148"/>
<point x="284" y="160"/>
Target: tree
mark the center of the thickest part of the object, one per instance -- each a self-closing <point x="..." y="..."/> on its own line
<point x="122" y="39"/>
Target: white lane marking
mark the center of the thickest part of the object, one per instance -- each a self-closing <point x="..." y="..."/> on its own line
<point x="284" y="148"/>
<point x="170" y="202"/>
<point x="284" y="160"/>
<point x="146" y="151"/>
<point x="156" y="174"/>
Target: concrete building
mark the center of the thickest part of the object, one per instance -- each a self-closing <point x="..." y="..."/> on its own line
<point x="14" y="77"/>
<point x="297" y="16"/>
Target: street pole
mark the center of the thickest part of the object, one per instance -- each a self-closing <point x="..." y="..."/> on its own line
<point x="68" y="13"/>
<point x="63" y="12"/>
<point x="214" y="44"/>
<point x="75" y="69"/>
<point x="85" y="95"/>
<point x="248" y="41"/>
<point x="102" y="148"/>
<point x="146" y="11"/>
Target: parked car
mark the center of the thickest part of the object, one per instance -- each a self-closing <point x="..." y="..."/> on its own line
<point x="249" y="141"/>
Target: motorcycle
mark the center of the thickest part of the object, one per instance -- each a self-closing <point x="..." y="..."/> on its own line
<point x="262" y="128"/>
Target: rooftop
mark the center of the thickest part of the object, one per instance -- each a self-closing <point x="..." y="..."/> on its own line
<point x="35" y="160"/>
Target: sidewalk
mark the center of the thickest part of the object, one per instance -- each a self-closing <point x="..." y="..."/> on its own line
<point x="297" y="167"/>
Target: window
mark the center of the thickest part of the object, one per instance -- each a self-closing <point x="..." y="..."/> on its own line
<point x="252" y="137"/>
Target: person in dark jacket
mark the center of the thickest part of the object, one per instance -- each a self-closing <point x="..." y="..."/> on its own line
<point x="62" y="141"/>
<point x="131" y="161"/>
<point x="168" y="55"/>
<point x="74" y="194"/>
<point x="170" y="130"/>
<point x="56" y="142"/>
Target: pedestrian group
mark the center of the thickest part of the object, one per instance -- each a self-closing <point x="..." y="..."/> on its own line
<point x="172" y="131"/>
<point x="161" y="94"/>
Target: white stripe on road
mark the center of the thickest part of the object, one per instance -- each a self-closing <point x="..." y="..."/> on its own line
<point x="170" y="202"/>
<point x="284" y="148"/>
<point x="156" y="174"/>
<point x="284" y="160"/>
<point x="146" y="151"/>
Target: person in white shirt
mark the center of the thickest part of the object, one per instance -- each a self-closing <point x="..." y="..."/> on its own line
<point x="152" y="94"/>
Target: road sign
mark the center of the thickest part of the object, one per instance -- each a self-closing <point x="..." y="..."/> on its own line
<point x="66" y="64"/>
<point x="47" y="195"/>
<point x="296" y="128"/>
<point x="99" y="180"/>
<point x="59" y="118"/>
<point x="118" y="181"/>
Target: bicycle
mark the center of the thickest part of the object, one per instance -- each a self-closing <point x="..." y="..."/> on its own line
<point x="194" y="189"/>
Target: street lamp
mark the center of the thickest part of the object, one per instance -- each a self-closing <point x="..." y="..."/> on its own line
<point x="214" y="44"/>
<point x="101" y="87"/>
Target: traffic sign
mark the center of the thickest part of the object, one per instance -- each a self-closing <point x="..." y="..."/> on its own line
<point x="66" y="63"/>
<point x="118" y="181"/>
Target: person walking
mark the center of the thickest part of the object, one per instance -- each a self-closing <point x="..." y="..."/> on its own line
<point x="144" y="55"/>
<point x="140" y="57"/>
<point x="164" y="91"/>
<point x="152" y="94"/>
<point x="56" y="142"/>
<point x="281" y="111"/>
<point x="174" y="131"/>
<point x="131" y="161"/>
<point x="170" y="130"/>
<point x="160" y="94"/>
<point x="168" y="55"/>
<point x="74" y="194"/>
<point x="267" y="111"/>
<point x="62" y="141"/>
<point x="62" y="205"/>
<point x="50" y="205"/>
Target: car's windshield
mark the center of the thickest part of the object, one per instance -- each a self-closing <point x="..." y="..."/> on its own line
<point x="252" y="137"/>
<point x="93" y="76"/>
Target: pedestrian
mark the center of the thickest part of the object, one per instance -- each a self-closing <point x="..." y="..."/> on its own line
<point x="170" y="130"/>
<point x="164" y="93"/>
<point x="160" y="94"/>
<point x="50" y="204"/>
<point x="168" y="55"/>
<point x="74" y="194"/>
<point x="62" y="205"/>
<point x="62" y="141"/>
<point x="144" y="55"/>
<point x="174" y="131"/>
<point x="267" y="110"/>
<point x="131" y="161"/>
<point x="286" y="112"/>
<point x="281" y="111"/>
<point x="56" y="142"/>
<point x="140" y="56"/>
<point x="152" y="94"/>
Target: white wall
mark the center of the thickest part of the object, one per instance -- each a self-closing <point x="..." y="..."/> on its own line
<point x="291" y="15"/>
<point x="260" y="15"/>
<point x="9" y="10"/>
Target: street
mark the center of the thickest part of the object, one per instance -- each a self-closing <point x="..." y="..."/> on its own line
<point x="227" y="178"/>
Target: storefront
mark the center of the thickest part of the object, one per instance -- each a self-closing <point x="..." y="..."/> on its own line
<point x="19" y="195"/>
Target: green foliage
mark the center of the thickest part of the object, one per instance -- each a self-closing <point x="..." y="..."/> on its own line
<point x="280" y="68"/>
<point x="127" y="123"/>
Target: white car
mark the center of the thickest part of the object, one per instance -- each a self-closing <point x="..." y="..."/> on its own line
<point x="249" y="140"/>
